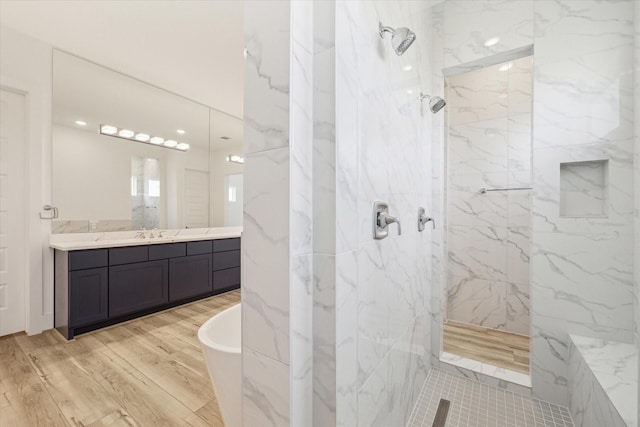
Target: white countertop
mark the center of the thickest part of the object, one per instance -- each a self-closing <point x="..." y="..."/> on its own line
<point x="79" y="241"/>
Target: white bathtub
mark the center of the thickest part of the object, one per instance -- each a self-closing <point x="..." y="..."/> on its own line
<point x="220" y="338"/>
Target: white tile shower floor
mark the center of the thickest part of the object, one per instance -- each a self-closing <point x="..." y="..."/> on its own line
<point x="479" y="405"/>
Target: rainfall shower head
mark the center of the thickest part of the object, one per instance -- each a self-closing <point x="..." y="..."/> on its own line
<point x="401" y="38"/>
<point x="435" y="103"/>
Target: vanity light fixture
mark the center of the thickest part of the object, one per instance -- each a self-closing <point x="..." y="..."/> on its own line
<point x="81" y="123"/>
<point x="108" y="130"/>
<point x="143" y="137"/>
<point x="235" y="159"/>
<point x="171" y="143"/>
<point x="492" y="41"/>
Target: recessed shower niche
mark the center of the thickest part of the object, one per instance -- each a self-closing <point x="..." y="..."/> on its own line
<point x="584" y="188"/>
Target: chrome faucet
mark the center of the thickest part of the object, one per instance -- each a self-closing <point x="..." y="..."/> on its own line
<point x="382" y="219"/>
<point x="423" y="219"/>
<point x="140" y="235"/>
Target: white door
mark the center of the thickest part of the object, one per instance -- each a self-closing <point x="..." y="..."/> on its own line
<point x="196" y="198"/>
<point x="12" y="212"/>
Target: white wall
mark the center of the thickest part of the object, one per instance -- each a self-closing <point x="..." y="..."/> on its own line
<point x="25" y="65"/>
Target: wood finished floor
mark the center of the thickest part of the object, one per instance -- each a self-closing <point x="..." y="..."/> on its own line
<point x="147" y="372"/>
<point x="498" y="348"/>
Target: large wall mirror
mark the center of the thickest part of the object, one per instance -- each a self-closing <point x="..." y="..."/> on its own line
<point x="128" y="155"/>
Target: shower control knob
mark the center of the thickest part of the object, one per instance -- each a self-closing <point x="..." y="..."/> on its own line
<point x="423" y="219"/>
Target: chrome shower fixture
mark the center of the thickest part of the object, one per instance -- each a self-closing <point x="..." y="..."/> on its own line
<point x="435" y="102"/>
<point x="401" y="38"/>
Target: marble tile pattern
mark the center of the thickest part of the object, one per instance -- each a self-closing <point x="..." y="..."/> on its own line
<point x="382" y="297"/>
<point x="269" y="211"/>
<point x="582" y="268"/>
<point x="488" y="235"/>
<point x="636" y="183"/>
<point x="603" y="382"/>
<point x="582" y="111"/>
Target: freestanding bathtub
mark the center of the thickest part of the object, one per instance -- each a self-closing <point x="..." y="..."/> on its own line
<point x="220" y="338"/>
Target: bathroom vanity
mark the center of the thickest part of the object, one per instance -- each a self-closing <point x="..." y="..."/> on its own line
<point x="106" y="281"/>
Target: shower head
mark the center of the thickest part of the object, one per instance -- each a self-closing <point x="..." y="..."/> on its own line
<point x="401" y="38"/>
<point x="435" y="103"/>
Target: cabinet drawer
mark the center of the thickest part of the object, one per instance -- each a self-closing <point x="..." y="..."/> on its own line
<point x="189" y="276"/>
<point x="171" y="250"/>
<point x="224" y="260"/>
<point x="228" y="278"/>
<point x="221" y="245"/>
<point x="88" y="296"/>
<point x="93" y="258"/>
<point x="135" y="287"/>
<point x="128" y="255"/>
<point x="198" y="248"/>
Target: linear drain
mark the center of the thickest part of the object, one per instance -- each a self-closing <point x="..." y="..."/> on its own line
<point x="441" y="414"/>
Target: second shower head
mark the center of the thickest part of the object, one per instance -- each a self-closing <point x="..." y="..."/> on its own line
<point x="435" y="102"/>
<point x="401" y="38"/>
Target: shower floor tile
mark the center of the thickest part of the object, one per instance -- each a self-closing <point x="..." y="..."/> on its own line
<point x="479" y="405"/>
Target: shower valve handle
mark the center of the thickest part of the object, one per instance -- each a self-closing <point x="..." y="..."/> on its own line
<point x="384" y="219"/>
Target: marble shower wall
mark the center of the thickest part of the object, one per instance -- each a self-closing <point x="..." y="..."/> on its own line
<point x="488" y="235"/>
<point x="266" y="237"/>
<point x="636" y="167"/>
<point x="382" y="287"/>
<point x="582" y="268"/>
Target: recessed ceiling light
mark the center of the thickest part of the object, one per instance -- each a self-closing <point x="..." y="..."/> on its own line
<point x="81" y="123"/>
<point x="492" y="41"/>
<point x="156" y="140"/>
<point x="182" y="146"/>
<point x="505" y="67"/>
<point x="126" y="133"/>
<point x="142" y="137"/>
<point x="170" y="143"/>
<point x="407" y="67"/>
<point x="108" y="130"/>
<point x="180" y="131"/>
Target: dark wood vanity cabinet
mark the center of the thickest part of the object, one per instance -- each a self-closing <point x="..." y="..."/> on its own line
<point x="100" y="287"/>
<point x="89" y="293"/>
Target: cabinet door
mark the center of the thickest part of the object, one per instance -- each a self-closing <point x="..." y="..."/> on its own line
<point x="88" y="296"/>
<point x="189" y="276"/>
<point x="135" y="287"/>
<point x="226" y="279"/>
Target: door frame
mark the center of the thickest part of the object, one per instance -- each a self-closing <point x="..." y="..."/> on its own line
<point x="38" y="274"/>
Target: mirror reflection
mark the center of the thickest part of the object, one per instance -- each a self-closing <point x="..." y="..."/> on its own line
<point x="128" y="155"/>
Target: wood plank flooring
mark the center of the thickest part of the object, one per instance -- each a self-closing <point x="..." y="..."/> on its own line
<point x="498" y="348"/>
<point x="146" y="372"/>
